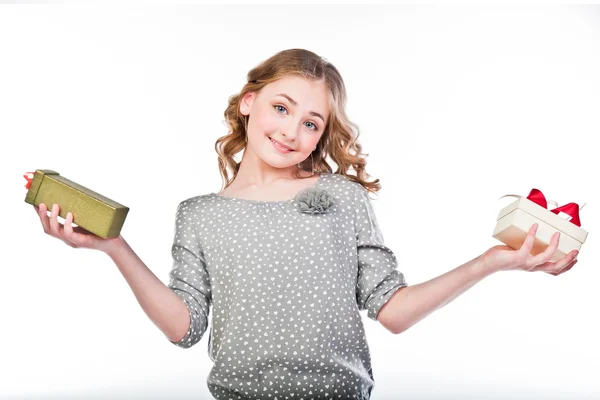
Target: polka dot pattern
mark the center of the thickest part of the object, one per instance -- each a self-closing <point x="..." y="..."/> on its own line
<point x="285" y="288"/>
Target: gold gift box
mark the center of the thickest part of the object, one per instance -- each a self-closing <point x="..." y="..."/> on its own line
<point x="91" y="211"/>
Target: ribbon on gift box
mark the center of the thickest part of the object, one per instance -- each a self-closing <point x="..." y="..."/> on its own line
<point x="29" y="177"/>
<point x="569" y="211"/>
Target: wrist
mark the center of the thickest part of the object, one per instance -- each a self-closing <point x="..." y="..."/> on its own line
<point x="482" y="267"/>
<point x="114" y="246"/>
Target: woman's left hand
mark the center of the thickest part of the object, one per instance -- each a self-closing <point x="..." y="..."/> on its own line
<point x="504" y="258"/>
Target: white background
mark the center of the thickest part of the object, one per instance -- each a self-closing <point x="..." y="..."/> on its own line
<point x="457" y="106"/>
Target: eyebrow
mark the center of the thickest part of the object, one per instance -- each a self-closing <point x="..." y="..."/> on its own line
<point x="316" y="114"/>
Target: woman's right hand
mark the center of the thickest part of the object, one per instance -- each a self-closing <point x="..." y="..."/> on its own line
<point x="75" y="237"/>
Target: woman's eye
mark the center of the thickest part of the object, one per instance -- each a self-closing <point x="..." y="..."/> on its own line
<point x="277" y="107"/>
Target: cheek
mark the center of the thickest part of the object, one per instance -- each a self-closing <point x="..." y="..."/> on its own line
<point x="307" y="141"/>
<point x="267" y="122"/>
<point x="312" y="143"/>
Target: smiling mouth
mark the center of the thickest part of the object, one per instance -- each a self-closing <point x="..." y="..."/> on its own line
<point x="282" y="147"/>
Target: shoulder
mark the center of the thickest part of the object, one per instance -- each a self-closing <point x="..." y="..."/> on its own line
<point x="350" y="187"/>
<point x="340" y="180"/>
<point x="350" y="194"/>
<point x="193" y="204"/>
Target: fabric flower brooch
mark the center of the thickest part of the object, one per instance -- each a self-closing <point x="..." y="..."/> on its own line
<point x="314" y="200"/>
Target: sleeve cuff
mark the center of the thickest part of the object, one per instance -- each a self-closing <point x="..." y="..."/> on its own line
<point x="384" y="293"/>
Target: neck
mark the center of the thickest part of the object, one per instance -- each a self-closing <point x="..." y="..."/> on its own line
<point x="255" y="172"/>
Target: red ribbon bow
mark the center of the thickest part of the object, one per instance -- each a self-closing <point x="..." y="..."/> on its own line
<point x="572" y="209"/>
<point x="29" y="177"/>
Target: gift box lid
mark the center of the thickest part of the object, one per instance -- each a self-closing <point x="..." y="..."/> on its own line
<point x="547" y="216"/>
<point x="39" y="175"/>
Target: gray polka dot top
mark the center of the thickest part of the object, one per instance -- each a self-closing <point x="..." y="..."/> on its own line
<point x="286" y="281"/>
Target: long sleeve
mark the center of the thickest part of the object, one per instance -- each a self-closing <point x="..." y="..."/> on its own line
<point x="189" y="278"/>
<point x="378" y="275"/>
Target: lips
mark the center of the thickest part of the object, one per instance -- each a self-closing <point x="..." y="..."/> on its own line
<point x="281" y="145"/>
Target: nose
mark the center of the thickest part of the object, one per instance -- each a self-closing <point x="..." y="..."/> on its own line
<point x="289" y="129"/>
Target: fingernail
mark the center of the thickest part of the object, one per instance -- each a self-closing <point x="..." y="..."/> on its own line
<point x="68" y="215"/>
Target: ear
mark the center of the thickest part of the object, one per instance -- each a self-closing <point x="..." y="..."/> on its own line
<point x="246" y="103"/>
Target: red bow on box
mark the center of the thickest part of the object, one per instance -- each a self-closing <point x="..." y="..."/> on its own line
<point x="29" y="177"/>
<point x="570" y="209"/>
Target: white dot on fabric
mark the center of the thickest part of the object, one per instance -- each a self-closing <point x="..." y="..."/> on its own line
<point x="284" y="282"/>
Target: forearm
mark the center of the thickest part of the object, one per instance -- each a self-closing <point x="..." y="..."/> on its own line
<point x="413" y="303"/>
<point x="166" y="310"/>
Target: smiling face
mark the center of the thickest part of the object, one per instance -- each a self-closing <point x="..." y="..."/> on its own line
<point x="292" y="111"/>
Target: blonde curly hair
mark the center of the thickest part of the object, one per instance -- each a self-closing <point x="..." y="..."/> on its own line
<point x="340" y="137"/>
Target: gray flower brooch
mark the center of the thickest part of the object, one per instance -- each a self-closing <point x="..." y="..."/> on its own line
<point x="314" y="200"/>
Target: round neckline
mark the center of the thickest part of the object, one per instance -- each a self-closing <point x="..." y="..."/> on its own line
<point x="317" y="183"/>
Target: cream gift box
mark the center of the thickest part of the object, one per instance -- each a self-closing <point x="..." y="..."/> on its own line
<point x="515" y="220"/>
